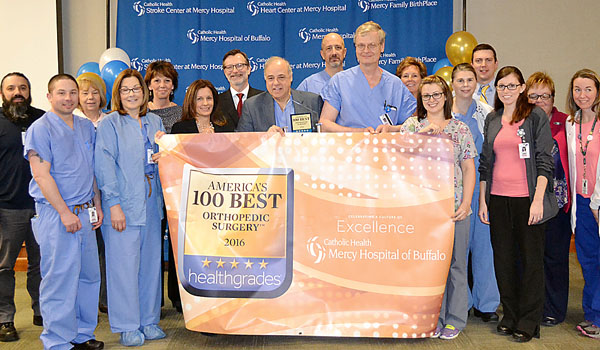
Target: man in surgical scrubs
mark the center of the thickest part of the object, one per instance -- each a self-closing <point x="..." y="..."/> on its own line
<point x="60" y="150"/>
<point x="366" y="97"/>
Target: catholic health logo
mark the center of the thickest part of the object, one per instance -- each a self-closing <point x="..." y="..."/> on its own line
<point x="253" y="64"/>
<point x="316" y="250"/>
<point x="136" y="64"/>
<point x="253" y="8"/>
<point x="139" y="8"/>
<point x="318" y="33"/>
<point x="367" y="5"/>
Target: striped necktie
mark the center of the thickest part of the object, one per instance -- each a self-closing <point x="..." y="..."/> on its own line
<point x="482" y="97"/>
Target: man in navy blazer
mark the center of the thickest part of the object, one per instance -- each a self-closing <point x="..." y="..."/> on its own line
<point x="236" y="68"/>
<point x="275" y="109"/>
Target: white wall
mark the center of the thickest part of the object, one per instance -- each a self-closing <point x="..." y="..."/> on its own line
<point x="29" y="43"/>
<point x="556" y="36"/>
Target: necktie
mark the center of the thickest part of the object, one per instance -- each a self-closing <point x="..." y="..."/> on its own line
<point x="483" y="98"/>
<point x="239" y="105"/>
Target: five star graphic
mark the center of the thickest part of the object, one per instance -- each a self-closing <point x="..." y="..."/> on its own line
<point x="234" y="263"/>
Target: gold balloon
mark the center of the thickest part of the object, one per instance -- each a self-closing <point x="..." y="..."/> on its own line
<point x="446" y="74"/>
<point x="459" y="47"/>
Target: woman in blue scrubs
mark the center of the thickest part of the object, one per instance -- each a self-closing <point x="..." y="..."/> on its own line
<point x="128" y="179"/>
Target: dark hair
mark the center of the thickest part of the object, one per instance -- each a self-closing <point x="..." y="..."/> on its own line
<point x="189" y="102"/>
<point x="439" y="81"/>
<point x="235" y="52"/>
<point x="571" y="105"/>
<point x="117" y="104"/>
<point x="58" y="77"/>
<point x="164" y="68"/>
<point x="463" y="67"/>
<point x="18" y="74"/>
<point x="523" y="108"/>
<point x="482" y="47"/>
<point x="411" y="61"/>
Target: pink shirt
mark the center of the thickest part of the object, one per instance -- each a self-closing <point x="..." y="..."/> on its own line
<point x="509" y="177"/>
<point x="591" y="157"/>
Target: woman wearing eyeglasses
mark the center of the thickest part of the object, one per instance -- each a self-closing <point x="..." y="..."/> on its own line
<point x="540" y="91"/>
<point x="434" y="116"/>
<point x="127" y="175"/>
<point x="161" y="79"/>
<point x="583" y="139"/>
<point x="516" y="169"/>
<point x="201" y="113"/>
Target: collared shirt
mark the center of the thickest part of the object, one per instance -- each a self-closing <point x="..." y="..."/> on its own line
<point x="315" y="83"/>
<point x="121" y="158"/>
<point x="70" y="153"/>
<point x="360" y="106"/>
<point x="234" y="93"/>
<point x="490" y="93"/>
<point x="283" y="118"/>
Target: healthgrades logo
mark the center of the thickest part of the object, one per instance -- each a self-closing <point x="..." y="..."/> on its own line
<point x="139" y="8"/>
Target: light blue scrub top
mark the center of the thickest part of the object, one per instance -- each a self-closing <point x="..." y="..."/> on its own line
<point x="283" y="118"/>
<point x="477" y="136"/>
<point x="120" y="157"/>
<point x="70" y="153"/>
<point x="360" y="106"/>
<point x="315" y="83"/>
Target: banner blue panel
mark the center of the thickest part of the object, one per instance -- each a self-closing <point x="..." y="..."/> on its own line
<point x="195" y="34"/>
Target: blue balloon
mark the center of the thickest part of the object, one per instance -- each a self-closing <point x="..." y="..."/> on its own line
<point x="89" y="67"/>
<point x="110" y="71"/>
<point x="444" y="62"/>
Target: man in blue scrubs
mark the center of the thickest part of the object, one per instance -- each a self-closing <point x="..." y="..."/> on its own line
<point x="333" y="52"/>
<point x="366" y="97"/>
<point x="60" y="150"/>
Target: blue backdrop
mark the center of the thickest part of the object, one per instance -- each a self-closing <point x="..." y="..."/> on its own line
<point x="195" y="34"/>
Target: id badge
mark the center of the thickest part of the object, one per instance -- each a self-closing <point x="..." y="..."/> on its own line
<point x="23" y="137"/>
<point x="524" y="150"/>
<point x="150" y="153"/>
<point x="301" y="122"/>
<point x="385" y="119"/>
<point x="584" y="186"/>
<point x="93" y="215"/>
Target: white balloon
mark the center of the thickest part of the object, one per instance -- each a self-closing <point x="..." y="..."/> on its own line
<point x="113" y="54"/>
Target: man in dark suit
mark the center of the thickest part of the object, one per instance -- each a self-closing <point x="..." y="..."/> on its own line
<point x="237" y="70"/>
<point x="280" y="108"/>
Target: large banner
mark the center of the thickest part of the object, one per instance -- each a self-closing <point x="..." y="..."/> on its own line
<point x="195" y="34"/>
<point x="310" y="234"/>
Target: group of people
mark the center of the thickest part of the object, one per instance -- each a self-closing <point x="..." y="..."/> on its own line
<point x="82" y="189"/>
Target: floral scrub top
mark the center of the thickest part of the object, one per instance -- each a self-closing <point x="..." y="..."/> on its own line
<point x="464" y="148"/>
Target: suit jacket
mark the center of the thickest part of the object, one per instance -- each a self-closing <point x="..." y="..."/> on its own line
<point x="258" y="113"/>
<point x="229" y="109"/>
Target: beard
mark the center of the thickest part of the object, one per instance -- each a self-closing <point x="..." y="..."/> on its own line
<point x="16" y="111"/>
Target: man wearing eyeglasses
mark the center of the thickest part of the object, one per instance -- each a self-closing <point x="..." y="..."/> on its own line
<point x="366" y="98"/>
<point x="485" y="62"/>
<point x="236" y="67"/>
<point x="60" y="150"/>
<point x="333" y="52"/>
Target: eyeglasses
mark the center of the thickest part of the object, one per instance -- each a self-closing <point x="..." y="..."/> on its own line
<point x="371" y="46"/>
<point x="502" y="87"/>
<point x="535" y="97"/>
<point x="435" y="95"/>
<point x="237" y="66"/>
<point x="126" y="91"/>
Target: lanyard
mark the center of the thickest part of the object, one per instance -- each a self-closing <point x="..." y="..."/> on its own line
<point x="587" y="142"/>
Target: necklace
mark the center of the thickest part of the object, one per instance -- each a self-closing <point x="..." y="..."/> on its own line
<point x="590" y="137"/>
<point x="202" y="128"/>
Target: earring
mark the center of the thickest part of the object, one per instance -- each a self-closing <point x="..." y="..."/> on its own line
<point x="171" y="95"/>
<point x="151" y="97"/>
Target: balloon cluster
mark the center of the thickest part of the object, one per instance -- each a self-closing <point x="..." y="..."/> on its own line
<point x="112" y="62"/>
<point x="459" y="48"/>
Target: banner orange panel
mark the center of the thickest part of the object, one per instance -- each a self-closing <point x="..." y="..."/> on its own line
<point x="310" y="234"/>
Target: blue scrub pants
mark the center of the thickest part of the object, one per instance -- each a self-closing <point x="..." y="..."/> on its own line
<point x="70" y="279"/>
<point x="133" y="270"/>
<point x="454" y="310"/>
<point x="587" y="242"/>
<point x="484" y="296"/>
